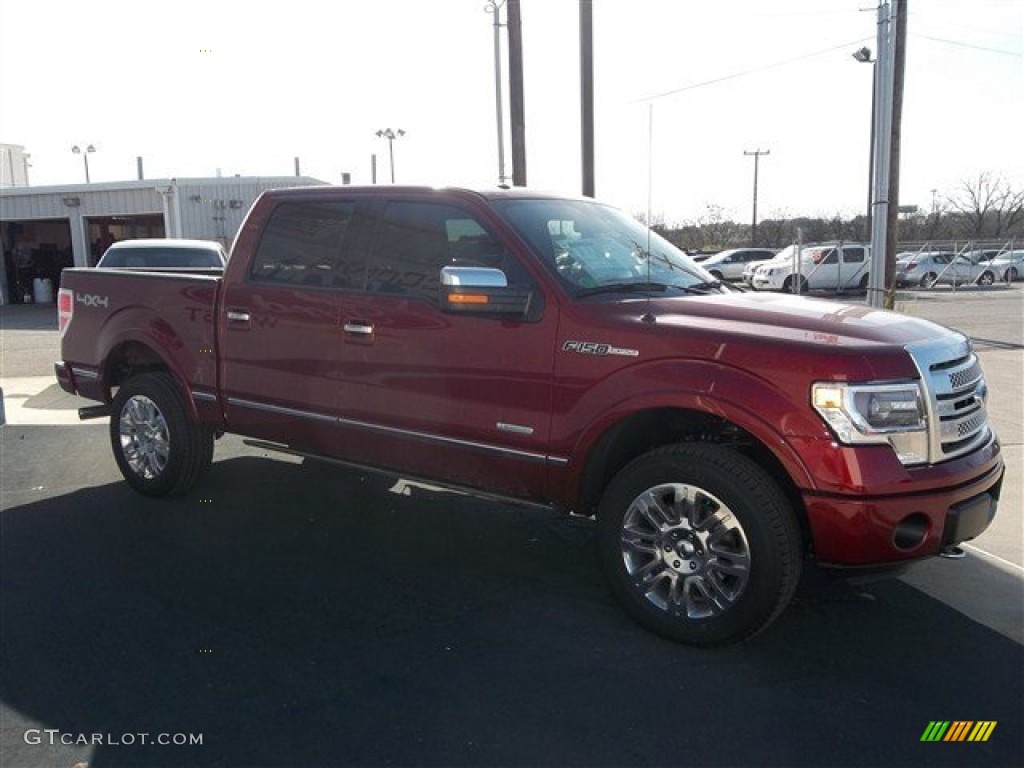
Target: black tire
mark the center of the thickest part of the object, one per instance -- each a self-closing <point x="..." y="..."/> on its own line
<point x="158" y="449"/>
<point x="716" y="274"/>
<point x="928" y="280"/>
<point x="718" y="566"/>
<point x="1011" y="275"/>
<point x="789" y="285"/>
<point x="864" y="282"/>
<point x="986" y="278"/>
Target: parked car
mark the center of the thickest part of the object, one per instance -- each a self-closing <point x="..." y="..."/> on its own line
<point x="921" y="268"/>
<point x="729" y="265"/>
<point x="963" y="270"/>
<point x="823" y="266"/>
<point x="1008" y="266"/>
<point x="528" y="347"/>
<point x="164" y="253"/>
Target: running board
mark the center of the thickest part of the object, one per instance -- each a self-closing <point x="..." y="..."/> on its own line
<point x="439" y="484"/>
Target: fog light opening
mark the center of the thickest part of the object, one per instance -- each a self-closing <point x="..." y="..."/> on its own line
<point x="911" y="531"/>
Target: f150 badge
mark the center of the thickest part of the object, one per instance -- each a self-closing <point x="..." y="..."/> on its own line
<point x="91" y="300"/>
<point x="597" y="348"/>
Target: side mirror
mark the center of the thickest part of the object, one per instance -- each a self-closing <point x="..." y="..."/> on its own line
<point x="481" y="290"/>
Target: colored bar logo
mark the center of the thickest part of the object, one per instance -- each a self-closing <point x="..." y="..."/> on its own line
<point x="958" y="730"/>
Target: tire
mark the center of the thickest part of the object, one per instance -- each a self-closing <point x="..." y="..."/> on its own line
<point x="928" y="280"/>
<point x="864" y="282"/>
<point x="788" y="285"/>
<point x="1011" y="275"/>
<point x="716" y="274"/>
<point x="698" y="544"/>
<point x="986" y="278"/>
<point x="158" y="449"/>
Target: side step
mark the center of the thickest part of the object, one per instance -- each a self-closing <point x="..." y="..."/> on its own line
<point x="460" y="489"/>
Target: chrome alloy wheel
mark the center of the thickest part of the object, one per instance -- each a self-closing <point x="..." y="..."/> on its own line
<point x="685" y="551"/>
<point x="145" y="440"/>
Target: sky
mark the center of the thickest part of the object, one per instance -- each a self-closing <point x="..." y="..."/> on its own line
<point x="682" y="88"/>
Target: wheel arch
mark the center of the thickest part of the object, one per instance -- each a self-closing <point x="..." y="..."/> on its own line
<point x="129" y="357"/>
<point x="645" y="430"/>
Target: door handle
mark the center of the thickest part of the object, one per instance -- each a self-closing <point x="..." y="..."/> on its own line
<point x="237" y="316"/>
<point x="363" y="329"/>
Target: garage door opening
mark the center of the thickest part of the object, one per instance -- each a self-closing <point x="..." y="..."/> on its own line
<point x="102" y="231"/>
<point x="36" y="249"/>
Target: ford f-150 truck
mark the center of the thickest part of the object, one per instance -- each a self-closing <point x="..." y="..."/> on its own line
<point x="556" y="352"/>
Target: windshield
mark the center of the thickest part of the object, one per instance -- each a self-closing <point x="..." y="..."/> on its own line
<point x="592" y="248"/>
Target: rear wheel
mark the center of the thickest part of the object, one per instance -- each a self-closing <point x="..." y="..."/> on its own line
<point x="928" y="280"/>
<point x="864" y="283"/>
<point x="699" y="544"/>
<point x="1011" y="275"/>
<point x="158" y="449"/>
<point x="986" y="278"/>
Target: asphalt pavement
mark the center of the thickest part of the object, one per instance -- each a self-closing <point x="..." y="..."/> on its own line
<point x="292" y="614"/>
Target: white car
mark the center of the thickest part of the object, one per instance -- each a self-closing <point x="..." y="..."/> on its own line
<point x="1008" y="266"/>
<point x="730" y="265"/>
<point x="824" y="266"/>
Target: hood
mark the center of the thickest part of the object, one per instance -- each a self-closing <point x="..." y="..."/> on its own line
<point x="788" y="318"/>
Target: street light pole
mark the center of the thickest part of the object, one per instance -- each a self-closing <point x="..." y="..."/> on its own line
<point x="85" y="157"/>
<point x="756" y="154"/>
<point x="494" y="7"/>
<point x="864" y="57"/>
<point x="390" y="135"/>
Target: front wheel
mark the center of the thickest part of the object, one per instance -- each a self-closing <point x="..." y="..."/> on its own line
<point x="158" y="449"/>
<point x="986" y="278"/>
<point x="699" y="544"/>
<point x="929" y="280"/>
<point x="1011" y="275"/>
<point x="792" y="285"/>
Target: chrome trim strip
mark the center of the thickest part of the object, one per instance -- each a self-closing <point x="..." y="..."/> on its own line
<point x="531" y="455"/>
<point x="516" y="429"/>
<point x="341" y="421"/>
<point x="279" y="409"/>
<point x="84" y="373"/>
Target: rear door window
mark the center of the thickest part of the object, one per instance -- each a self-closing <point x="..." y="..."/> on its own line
<point x="306" y="243"/>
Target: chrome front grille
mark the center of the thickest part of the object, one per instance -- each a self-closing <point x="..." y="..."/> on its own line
<point x="955" y="395"/>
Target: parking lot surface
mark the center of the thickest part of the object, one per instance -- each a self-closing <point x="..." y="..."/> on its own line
<point x="290" y="613"/>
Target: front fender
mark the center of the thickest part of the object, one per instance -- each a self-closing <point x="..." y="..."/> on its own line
<point x="770" y="414"/>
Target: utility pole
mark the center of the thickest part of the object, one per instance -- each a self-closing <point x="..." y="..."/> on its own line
<point x="494" y="7"/>
<point x="892" y="230"/>
<point x="756" y="154"/>
<point x="516" y="105"/>
<point x="587" y="94"/>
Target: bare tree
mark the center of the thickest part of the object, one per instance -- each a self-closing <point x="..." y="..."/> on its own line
<point x="988" y="205"/>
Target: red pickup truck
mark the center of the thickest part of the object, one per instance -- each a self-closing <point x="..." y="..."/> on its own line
<point x="556" y="352"/>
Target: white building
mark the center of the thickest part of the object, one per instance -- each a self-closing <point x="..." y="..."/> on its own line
<point x="13" y="166"/>
<point x="44" y="229"/>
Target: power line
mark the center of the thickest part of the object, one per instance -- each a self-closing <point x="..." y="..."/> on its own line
<point x="1015" y="54"/>
<point x="755" y="70"/>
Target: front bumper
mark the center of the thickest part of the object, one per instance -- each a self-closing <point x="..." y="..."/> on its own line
<point x="866" y="531"/>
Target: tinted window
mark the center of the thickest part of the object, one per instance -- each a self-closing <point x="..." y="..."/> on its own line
<point x="302" y="245"/>
<point x="414" y="240"/>
<point x="160" y="258"/>
<point x="853" y="255"/>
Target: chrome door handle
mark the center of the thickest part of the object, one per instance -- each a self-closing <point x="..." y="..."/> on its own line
<point x="237" y="316"/>
<point x="363" y="329"/>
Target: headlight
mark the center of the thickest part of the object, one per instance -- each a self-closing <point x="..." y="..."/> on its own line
<point x="875" y="414"/>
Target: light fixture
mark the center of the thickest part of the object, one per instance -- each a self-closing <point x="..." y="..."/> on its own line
<point x="85" y="157"/>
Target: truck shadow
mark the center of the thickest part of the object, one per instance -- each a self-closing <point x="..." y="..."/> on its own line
<point x="307" y="616"/>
